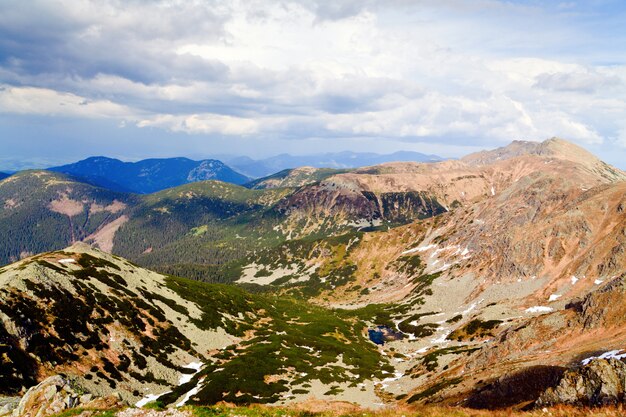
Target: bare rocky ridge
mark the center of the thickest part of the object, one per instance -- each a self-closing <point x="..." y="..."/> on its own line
<point x="575" y="238"/>
<point x="489" y="288"/>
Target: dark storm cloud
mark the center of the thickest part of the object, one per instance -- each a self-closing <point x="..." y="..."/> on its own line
<point x="132" y="40"/>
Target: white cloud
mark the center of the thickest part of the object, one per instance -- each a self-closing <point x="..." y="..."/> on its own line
<point x="582" y="82"/>
<point x="203" y="123"/>
<point x="41" y="101"/>
<point x="398" y="70"/>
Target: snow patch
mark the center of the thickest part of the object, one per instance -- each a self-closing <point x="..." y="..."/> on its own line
<point x="442" y="338"/>
<point x="187" y="396"/>
<point x="149" y="398"/>
<point x="598" y="281"/>
<point x="184" y="378"/>
<point x="611" y="354"/>
<point x="472" y="307"/>
<point x="67" y="261"/>
<point x="385" y="382"/>
<point x="574" y="280"/>
<point x="554" y="297"/>
<point x="363" y="223"/>
<point x="539" y="309"/>
<point x="419" y="249"/>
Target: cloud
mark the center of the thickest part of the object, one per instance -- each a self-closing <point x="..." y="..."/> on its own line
<point x="40" y="101"/>
<point x="443" y="72"/>
<point x="581" y="82"/>
<point x="203" y="123"/>
<point x="83" y="38"/>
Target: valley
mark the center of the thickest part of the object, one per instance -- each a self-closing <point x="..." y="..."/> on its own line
<point x="490" y="282"/>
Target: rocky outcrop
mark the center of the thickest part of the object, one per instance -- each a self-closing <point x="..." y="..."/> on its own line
<point x="56" y="394"/>
<point x="517" y="389"/>
<point x="346" y="201"/>
<point x="601" y="382"/>
<point x="7" y="405"/>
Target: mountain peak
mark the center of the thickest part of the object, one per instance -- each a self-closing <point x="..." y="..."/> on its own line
<point x="149" y="175"/>
<point x="563" y="149"/>
<point x="553" y="147"/>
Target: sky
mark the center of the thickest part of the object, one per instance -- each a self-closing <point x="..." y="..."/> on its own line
<point x="146" y="78"/>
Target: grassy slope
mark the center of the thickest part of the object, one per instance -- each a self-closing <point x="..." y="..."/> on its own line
<point x="294" y="340"/>
<point x="196" y="229"/>
<point x="295" y="178"/>
<point x="279" y="336"/>
<point x="27" y="223"/>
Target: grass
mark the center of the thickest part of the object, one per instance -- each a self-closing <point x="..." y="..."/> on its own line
<point x="292" y="341"/>
<point x="344" y="410"/>
<point x="475" y="329"/>
<point x="430" y="361"/>
<point x="86" y="411"/>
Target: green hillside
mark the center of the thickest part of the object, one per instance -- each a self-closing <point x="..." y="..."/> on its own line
<point x="42" y="211"/>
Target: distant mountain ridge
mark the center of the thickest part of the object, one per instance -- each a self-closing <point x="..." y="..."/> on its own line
<point x="149" y="175"/>
<point x="339" y="160"/>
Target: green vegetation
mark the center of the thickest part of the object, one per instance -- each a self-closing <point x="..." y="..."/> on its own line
<point x="475" y="329"/>
<point x="67" y="322"/>
<point x="293" y="342"/>
<point x="375" y="314"/>
<point x="420" y="330"/>
<point x="28" y="224"/>
<point x="409" y="265"/>
<point x="200" y="230"/>
<point x="72" y="412"/>
<point x="295" y="178"/>
<point x="455" y="319"/>
<point x="333" y="252"/>
<point x="430" y="361"/>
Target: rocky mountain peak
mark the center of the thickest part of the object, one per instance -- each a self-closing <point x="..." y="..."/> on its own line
<point x="553" y="147"/>
<point x="563" y="149"/>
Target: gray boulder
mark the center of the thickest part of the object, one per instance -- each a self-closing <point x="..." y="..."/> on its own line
<point x="600" y="382"/>
<point x="56" y="394"/>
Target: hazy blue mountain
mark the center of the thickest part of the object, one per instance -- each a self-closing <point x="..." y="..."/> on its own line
<point x="340" y="160"/>
<point x="3" y="175"/>
<point x="149" y="175"/>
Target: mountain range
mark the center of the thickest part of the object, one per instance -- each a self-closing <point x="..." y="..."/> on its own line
<point x="338" y="160"/>
<point x="148" y="175"/>
<point x="492" y="281"/>
<point x="152" y="175"/>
